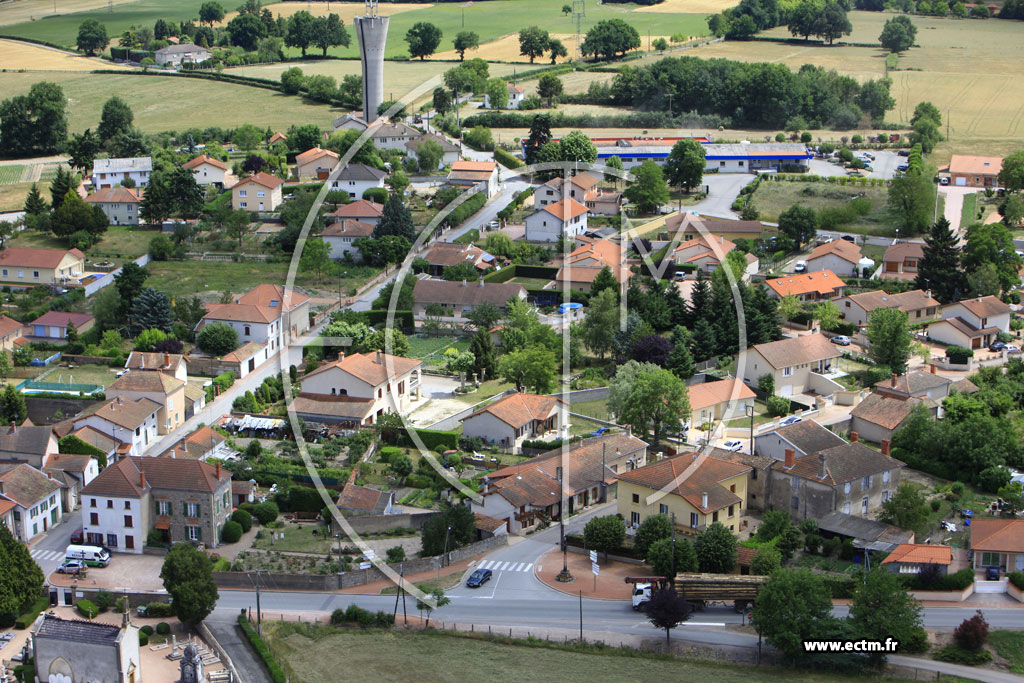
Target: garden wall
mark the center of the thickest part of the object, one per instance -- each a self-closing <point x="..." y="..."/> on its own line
<point x="944" y="596"/>
<point x="370" y="524"/>
<point x="1014" y="592"/>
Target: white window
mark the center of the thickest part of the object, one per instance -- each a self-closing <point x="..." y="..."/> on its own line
<point x="243" y="204"/>
<point x="846" y="508"/>
<point x="846" y="488"/>
<point x="885" y="477"/>
<point x="864" y="505"/>
<point x="241" y="193"/>
<point x="261" y="193"/>
<point x="21" y="273"/>
<point x="163" y="507"/>
<point x="787" y="372"/>
<point x="663" y="509"/>
<point x="193" y="510"/>
<point x="193" y="533"/>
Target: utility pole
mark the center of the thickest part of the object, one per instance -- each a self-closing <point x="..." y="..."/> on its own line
<point x="441" y="560"/>
<point x="564" y="576"/>
<point x="259" y="614"/>
<point x="948" y="109"/>
<point x="670" y="96"/>
<point x="579" y="10"/>
<point x="581" y="615"/>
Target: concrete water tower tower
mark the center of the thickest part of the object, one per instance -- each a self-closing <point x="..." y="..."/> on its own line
<point x="372" y="33"/>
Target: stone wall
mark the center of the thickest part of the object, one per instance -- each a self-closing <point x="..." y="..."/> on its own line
<point x="370" y="524"/>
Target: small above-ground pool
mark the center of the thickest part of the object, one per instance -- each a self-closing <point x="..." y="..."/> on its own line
<point x="565" y="308"/>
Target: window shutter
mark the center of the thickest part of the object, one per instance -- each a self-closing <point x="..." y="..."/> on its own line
<point x="184" y="509"/>
<point x="199" y="533"/>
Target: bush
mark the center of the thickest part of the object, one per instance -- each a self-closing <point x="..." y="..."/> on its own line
<point x="231" y="532"/>
<point x="243" y="518"/>
<point x="147" y="629"/>
<point x="830" y="546"/>
<point x="260" y="646"/>
<point x="506" y="159"/>
<point x="266" y="512"/>
<point x="958" y="354"/>
<point x="840" y="587"/>
<point x="1017" y="579"/>
<point x="163" y="628"/>
<point x="103" y="600"/>
<point x="217" y="339"/>
<point x="143" y="638"/>
<point x="932" y="580"/>
<point x="957" y="655"/>
<point x="957" y="487"/>
<point x="936" y="504"/>
<point x="120" y="605"/>
<point x="159" y="610"/>
<point x="28" y="617"/>
<point x="87" y="608"/>
<point x="972" y="634"/>
<point x="389" y="452"/>
<point x="777" y="406"/>
<point x="376" y="194"/>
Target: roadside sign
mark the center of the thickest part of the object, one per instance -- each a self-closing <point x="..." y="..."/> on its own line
<point x="365" y="565"/>
<point x="593" y="556"/>
<point x="596" y="569"/>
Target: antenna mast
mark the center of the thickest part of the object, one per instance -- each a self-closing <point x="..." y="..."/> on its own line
<point x="579" y="11"/>
<point x="371" y="8"/>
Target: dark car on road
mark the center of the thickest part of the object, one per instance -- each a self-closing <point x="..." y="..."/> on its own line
<point x="478" y="578"/>
<point x="996" y="346"/>
<point x="903" y="153"/>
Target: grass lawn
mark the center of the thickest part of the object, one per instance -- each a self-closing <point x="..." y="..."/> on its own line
<point x="12" y="197"/>
<point x="298" y="539"/>
<point x="598" y="409"/>
<point x="82" y="374"/>
<point x="9" y="175"/>
<point x="772" y="198"/>
<point x="171" y="103"/>
<point x="316" y="655"/>
<point x="761" y="417"/>
<point x="470" y="237"/>
<point x="875" y="252"/>
<point x="185" y="278"/>
<point x="123" y="242"/>
<point x="1010" y="646"/>
<point x="486" y="390"/>
<point x="421" y="345"/>
<point x="969" y="211"/>
<point x="535" y="282"/>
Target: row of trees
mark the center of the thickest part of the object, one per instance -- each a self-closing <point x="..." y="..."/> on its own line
<point x="760" y="95"/>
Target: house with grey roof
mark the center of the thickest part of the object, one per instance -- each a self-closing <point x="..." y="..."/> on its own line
<point x="77" y="650"/>
<point x="802" y="437"/>
<point x="36" y="496"/>
<point x="108" y="173"/>
<point x="176" y="55"/>
<point x="357" y="179"/>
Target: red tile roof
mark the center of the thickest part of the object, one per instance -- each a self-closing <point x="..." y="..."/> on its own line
<point x="565" y="209"/>
<point x="517" y="410"/>
<point x="690" y="476"/>
<point x="311" y="155"/>
<point x="62" y="318"/>
<point x="841" y="248"/>
<point x="348" y="228"/>
<point x="360" y="208"/>
<point x="367" y="368"/>
<point x="245" y="313"/>
<point x="918" y="553"/>
<point x="797" y="350"/>
<point x="205" y="159"/>
<point x="13" y="257"/>
<point x="821" y="282"/>
<point x="114" y="195"/>
<point x="997" y="535"/>
<point x="713" y="393"/>
<point x="8" y="325"/>
<point x="473" y="165"/>
<point x="967" y="164"/>
<point x="363" y="498"/>
<point x="271" y="296"/>
<point x="261" y="178"/>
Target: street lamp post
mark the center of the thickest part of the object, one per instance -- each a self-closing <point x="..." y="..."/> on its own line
<point x="441" y="561"/>
<point x="564" y="576"/>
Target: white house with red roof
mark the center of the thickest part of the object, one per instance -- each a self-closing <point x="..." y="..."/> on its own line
<point x="36" y="498"/>
<point x="209" y="171"/>
<point x="362" y="210"/>
<point x="511" y="420"/>
<point x="362" y="387"/>
<point x="475" y="174"/>
<point x="132" y="423"/>
<point x="564" y="218"/>
<point x="119" y="204"/>
<point x="516" y="93"/>
<point x="971" y="323"/>
<point x="260" y="192"/>
<point x="316" y="163"/>
<point x="341" y="236"/>
<point x="23" y="267"/>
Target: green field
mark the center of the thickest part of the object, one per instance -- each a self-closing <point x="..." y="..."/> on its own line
<point x="421" y="346"/>
<point x="1010" y="646"/>
<point x="490" y="20"/>
<point x="119" y="242"/>
<point x="772" y="198"/>
<point x="9" y="175"/>
<point x="12" y="197"/>
<point x="83" y="374"/>
<point x="169" y="103"/>
<point x="185" y="278"/>
<point x="317" y="654"/>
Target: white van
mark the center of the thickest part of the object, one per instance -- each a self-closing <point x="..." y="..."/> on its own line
<point x="92" y="555"/>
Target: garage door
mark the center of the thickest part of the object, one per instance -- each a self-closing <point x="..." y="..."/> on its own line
<point x="786" y="391"/>
<point x="960" y="182"/>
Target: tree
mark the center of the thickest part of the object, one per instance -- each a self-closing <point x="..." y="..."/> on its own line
<point x="827" y="314"/>
<point x="832" y="23"/>
<point x="83" y="148"/>
<point x="613" y="162"/>
<point x="292" y="80"/>
<point x="129" y="283"/>
<point x="151" y="310"/>
<point x="395" y="220"/>
<point x="246" y="31"/>
<point x="423" y="39"/>
<point x="533" y="42"/>
<point x="1012" y="210"/>
<point x="680" y="361"/>
<point x="247" y="137"/>
<point x="439" y="600"/>
<point x="992" y="244"/>
<point x="35" y="205"/>
<point x="898" y="34"/>
<point x="601" y="322"/>
<point x="1011" y="495"/>
<point x="482" y="349"/>
<point x="803" y="17"/>
<point x="442" y="102"/>
<point x="484" y="317"/>
<point x="539" y="135"/>
<point x="92" y="37"/>
<point x="130" y="144"/>
<point x="799" y="223"/>
<point x="610" y="37"/>
<point x="21" y="579"/>
<point x="211" y="13"/>
<point x="401" y="466"/>
<point x="531" y="368"/>
<point x="115" y="119"/>
<point x="792" y="607"/>
<point x="910" y="202"/>
<point x="716" y="549"/>
<point x="656" y="400"/>
<point x="549" y="86"/>
<point x="939" y="268"/>
<point x="398" y="181"/>
<point x="667" y="610"/>
<point x="661" y="561"/>
<point x="972" y="634"/>
<point x="428" y="156"/>
<point x="300" y="31"/>
<point x="316" y="255"/>
<point x="76" y="215"/>
<point x="605" y="279"/>
<point x="455" y="523"/>
<point x="217" y="339"/>
<point x="12" y="405"/>
<point x="1011" y="175"/>
<point x="459" y="362"/>
<point x="556" y="49"/>
<point x="766" y="560"/>
<point x="5" y="363"/>
<point x="497" y="93"/>
<point x="652" y="348"/>
<point x="882" y="608"/>
<point x="604" y="534"/>
<point x="649" y="192"/>
<point x="59" y="187"/>
<point x="685" y="165"/>
<point x="266" y="512"/>
<point x="577" y="146"/>
<point x="34" y="124"/>
<point x="466" y="40"/>
<point x="889" y="334"/>
<point x="187" y="574"/>
<point x="906" y="509"/>
<point x="652" y="529"/>
<point x="328" y="32"/>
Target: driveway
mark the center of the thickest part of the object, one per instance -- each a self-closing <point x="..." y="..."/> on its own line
<point x="884" y="166"/>
<point x="723" y="189"/>
<point x="489" y="212"/>
<point x="955" y="204"/>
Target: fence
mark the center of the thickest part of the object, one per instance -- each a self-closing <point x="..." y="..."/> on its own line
<point x="30" y="386"/>
<point x="108" y="278"/>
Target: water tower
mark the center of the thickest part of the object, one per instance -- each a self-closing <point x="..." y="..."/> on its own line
<point x="372" y="33"/>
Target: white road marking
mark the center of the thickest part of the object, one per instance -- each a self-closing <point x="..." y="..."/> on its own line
<point x="528" y="567"/>
<point x="503" y="567"/>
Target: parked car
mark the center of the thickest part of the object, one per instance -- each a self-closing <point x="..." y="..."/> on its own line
<point x="493" y="225"/>
<point x="78" y="536"/>
<point x="903" y="153"/>
<point x="943" y="181"/>
<point x="991" y="573"/>
<point x="732" y="445"/>
<point x="800" y="266"/>
<point x="902" y="168"/>
<point x="791" y="420"/>
<point x="869" y="155"/>
<point x="842" y="340"/>
<point x="849" y="238"/>
<point x="478" y="578"/>
<point x="1012" y="348"/>
<point x="996" y="346"/>
<point x="71" y="567"/>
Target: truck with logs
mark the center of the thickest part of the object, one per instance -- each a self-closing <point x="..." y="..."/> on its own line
<point x="700" y="590"/>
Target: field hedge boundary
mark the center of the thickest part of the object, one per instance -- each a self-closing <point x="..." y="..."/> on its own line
<point x="262" y="649"/>
<point x="264" y="83"/>
<point x="36" y="42"/>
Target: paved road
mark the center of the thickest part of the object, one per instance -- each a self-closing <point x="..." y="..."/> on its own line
<point x="48" y="552"/>
<point x="230" y="637"/>
<point x="954" y="205"/>
<point x="490" y="210"/>
<point x="723" y="189"/>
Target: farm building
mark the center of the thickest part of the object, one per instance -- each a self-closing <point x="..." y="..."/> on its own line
<point x="743" y="157"/>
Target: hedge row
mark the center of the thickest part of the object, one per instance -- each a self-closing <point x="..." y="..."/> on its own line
<point x="403" y="319"/>
<point x="576" y="541"/>
<point x="28" y="617"/>
<point x="355" y="614"/>
<point x="1017" y="579"/>
<point x="506" y="159"/>
<point x="432" y="439"/>
<point x="263" y="83"/>
<point x="261" y="648"/>
<point x="466" y="209"/>
<point x="32" y="40"/>
<point x="951" y="582"/>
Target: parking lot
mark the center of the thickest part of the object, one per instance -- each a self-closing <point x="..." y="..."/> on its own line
<point x="131" y="572"/>
<point x="883" y="166"/>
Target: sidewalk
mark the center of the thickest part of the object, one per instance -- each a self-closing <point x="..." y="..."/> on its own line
<point x="610" y="582"/>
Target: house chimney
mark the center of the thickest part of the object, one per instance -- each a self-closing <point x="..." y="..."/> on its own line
<point x="790" y="458"/>
<point x="893" y="380"/>
<point x="218" y="470"/>
<point x="823" y="460"/>
<point x="14" y="427"/>
<point x="142" y="480"/>
<point x="704" y="500"/>
<point x="167" y="360"/>
<point x="380" y="357"/>
<point x="931" y="366"/>
<point x="854" y="437"/>
<point x="120" y="399"/>
<point x="885" y="446"/>
<point x="481" y="282"/>
<point x="463" y="283"/>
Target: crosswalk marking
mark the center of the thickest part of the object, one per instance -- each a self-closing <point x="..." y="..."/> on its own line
<point x="503" y="567"/>
<point x="527" y="567"/>
<point x="45" y="555"/>
<point x="499" y="565"/>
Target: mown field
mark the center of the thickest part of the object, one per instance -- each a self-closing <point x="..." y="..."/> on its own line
<point x="62" y="28"/>
<point x="15" y="54"/>
<point x="32" y="10"/>
<point x="169" y="103"/>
